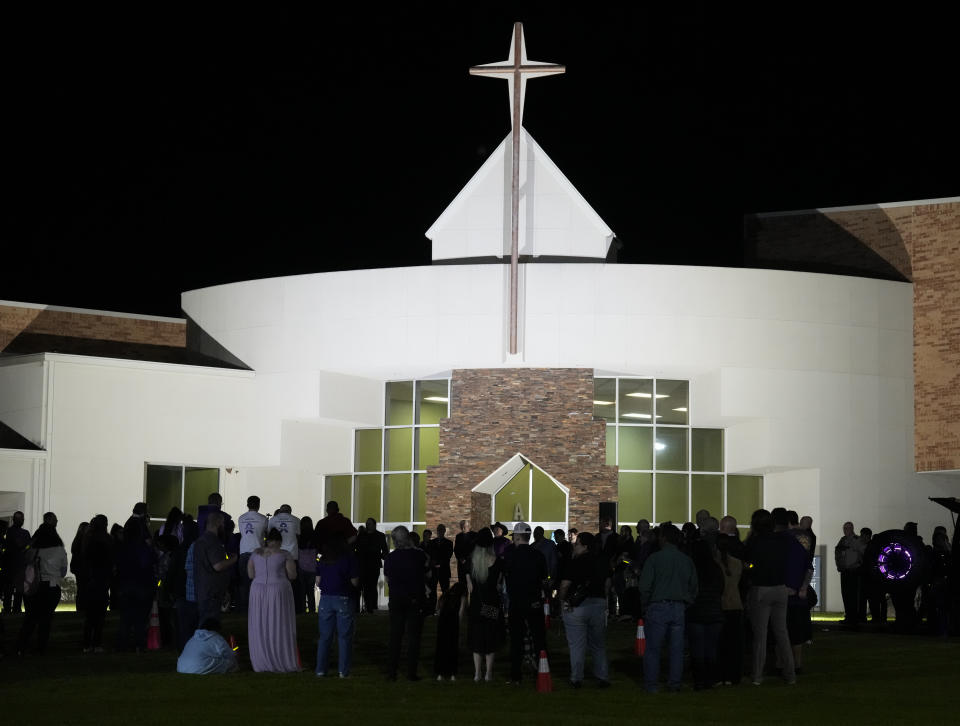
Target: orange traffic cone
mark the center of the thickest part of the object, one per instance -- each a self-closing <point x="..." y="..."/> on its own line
<point x="153" y="631"/>
<point x="544" y="681"/>
<point x="640" y="647"/>
<point x="546" y="613"/>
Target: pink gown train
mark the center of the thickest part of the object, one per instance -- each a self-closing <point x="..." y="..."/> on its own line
<point x="271" y="624"/>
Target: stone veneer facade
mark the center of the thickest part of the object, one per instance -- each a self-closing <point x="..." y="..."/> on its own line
<point x="921" y="242"/>
<point x="90" y="325"/>
<point x="546" y="414"/>
<point x="925" y="247"/>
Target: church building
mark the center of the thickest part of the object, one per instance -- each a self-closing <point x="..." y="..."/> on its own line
<point x="523" y="375"/>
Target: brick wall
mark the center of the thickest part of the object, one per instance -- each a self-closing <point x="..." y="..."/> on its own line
<point x="546" y="414"/>
<point x="15" y="321"/>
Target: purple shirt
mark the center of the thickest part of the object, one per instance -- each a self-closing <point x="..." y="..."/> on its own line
<point x="335" y="577"/>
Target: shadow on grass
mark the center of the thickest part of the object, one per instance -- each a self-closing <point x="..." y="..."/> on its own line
<point x="848" y="676"/>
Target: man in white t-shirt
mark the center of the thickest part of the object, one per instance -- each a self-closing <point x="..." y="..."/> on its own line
<point x="252" y="527"/>
<point x="289" y="527"/>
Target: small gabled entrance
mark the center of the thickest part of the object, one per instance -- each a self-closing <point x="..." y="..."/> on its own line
<point x="521" y="490"/>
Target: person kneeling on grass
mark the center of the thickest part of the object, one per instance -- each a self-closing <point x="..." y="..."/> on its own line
<point x="207" y="652"/>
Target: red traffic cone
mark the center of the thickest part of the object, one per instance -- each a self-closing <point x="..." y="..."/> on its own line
<point x="544" y="681"/>
<point x="640" y="647"/>
<point x="153" y="631"/>
<point x="546" y="613"/>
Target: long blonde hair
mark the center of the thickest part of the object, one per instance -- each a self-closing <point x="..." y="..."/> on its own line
<point x="480" y="560"/>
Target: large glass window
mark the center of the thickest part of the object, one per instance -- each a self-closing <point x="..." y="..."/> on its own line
<point x="671" y="503"/>
<point x="367" y="446"/>
<point x="707" y="449"/>
<point x="398" y="449"/>
<point x="366" y="497"/>
<point x="635" y="400"/>
<point x="399" y="403"/>
<point x="605" y="398"/>
<point x="433" y="400"/>
<point x="389" y="463"/>
<point x="636" y="497"/>
<point x="671" y="449"/>
<point x="186" y="487"/>
<point x="668" y="469"/>
<point x="340" y="490"/>
<point x="636" y="447"/>
<point x="744" y="497"/>
<point x="672" y="398"/>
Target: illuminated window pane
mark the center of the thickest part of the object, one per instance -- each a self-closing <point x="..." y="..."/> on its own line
<point x="399" y="454"/>
<point x="635" y="497"/>
<point x="636" y="400"/>
<point x="636" y="447"/>
<point x="744" y="496"/>
<point x="549" y="501"/>
<point x="671" y="498"/>
<point x="707" y="449"/>
<point x="198" y="485"/>
<point x="340" y="490"/>
<point x="399" y="403"/>
<point x="432" y="401"/>
<point x="419" y="497"/>
<point x="164" y="485"/>
<point x="366" y="497"/>
<point x="671" y="449"/>
<point x="611" y="459"/>
<point x="428" y="447"/>
<point x="515" y="493"/>
<point x="672" y="401"/>
<point x="367" y="443"/>
<point x="605" y="398"/>
<point x="707" y="493"/>
<point x="396" y="498"/>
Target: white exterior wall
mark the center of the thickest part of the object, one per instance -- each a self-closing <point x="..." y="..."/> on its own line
<point x="21" y="397"/>
<point x="809" y="373"/>
<point x="22" y="480"/>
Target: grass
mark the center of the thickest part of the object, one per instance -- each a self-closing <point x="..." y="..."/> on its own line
<point x="848" y="678"/>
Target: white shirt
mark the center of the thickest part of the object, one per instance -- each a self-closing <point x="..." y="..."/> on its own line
<point x="289" y="527"/>
<point x="252" y="527"/>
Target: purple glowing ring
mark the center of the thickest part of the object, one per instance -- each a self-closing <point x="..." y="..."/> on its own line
<point x="895" y="562"/>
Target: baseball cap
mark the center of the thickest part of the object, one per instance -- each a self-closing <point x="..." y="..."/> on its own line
<point x="521" y="528"/>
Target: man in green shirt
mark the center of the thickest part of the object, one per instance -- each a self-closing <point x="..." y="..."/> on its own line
<point x="668" y="583"/>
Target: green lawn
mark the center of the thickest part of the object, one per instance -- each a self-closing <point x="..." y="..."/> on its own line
<point x="850" y="678"/>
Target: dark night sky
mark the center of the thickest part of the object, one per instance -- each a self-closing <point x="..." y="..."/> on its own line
<point x="152" y="152"/>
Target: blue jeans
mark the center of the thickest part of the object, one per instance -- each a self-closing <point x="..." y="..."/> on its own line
<point x="335" y="613"/>
<point x="663" y="620"/>
<point x="585" y="626"/>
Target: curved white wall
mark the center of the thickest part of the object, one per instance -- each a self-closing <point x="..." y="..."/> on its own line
<point x="636" y="318"/>
<point x="810" y="374"/>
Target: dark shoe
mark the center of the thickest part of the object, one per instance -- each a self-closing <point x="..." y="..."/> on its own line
<point x="603" y="684"/>
<point x="576" y="684"/>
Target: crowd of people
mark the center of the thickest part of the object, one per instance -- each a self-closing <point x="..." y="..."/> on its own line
<point x="700" y="589"/>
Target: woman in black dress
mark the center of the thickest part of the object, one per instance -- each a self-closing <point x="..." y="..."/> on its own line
<point x="485" y="613"/>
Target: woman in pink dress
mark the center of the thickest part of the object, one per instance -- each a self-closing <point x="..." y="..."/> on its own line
<point x="271" y="625"/>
